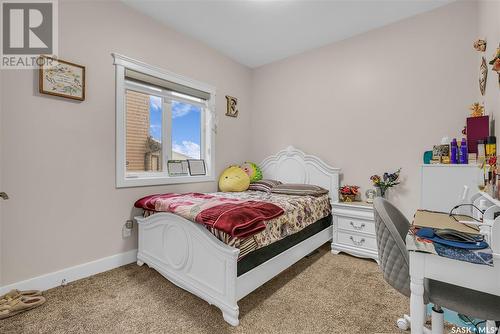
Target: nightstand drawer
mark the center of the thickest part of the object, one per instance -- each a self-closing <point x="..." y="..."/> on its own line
<point x="354" y="229"/>
<point x="356" y="225"/>
<point x="356" y="240"/>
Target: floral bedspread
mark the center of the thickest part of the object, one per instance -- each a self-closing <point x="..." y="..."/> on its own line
<point x="236" y="217"/>
<point x="299" y="212"/>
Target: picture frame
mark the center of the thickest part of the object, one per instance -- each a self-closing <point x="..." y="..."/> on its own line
<point x="178" y="168"/>
<point x="441" y="153"/>
<point x="61" y="78"/>
<point x="197" y="167"/>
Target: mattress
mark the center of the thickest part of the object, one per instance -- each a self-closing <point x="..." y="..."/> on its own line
<point x="299" y="212"/>
<point x="263" y="254"/>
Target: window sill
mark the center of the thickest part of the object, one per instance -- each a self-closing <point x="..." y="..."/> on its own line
<point x="161" y="180"/>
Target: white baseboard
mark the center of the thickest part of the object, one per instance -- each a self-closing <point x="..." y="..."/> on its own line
<point x="51" y="280"/>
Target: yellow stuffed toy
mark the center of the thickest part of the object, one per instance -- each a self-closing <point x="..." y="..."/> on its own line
<point x="234" y="179"/>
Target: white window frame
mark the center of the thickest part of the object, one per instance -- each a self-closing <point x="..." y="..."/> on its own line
<point x="124" y="179"/>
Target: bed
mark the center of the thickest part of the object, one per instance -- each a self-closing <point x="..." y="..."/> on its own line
<point x="193" y="258"/>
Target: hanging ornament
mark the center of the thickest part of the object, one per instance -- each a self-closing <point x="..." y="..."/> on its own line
<point x="480" y="45"/>
<point x="483" y="76"/>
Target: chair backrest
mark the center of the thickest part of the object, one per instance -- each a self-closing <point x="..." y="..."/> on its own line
<point x="391" y="227"/>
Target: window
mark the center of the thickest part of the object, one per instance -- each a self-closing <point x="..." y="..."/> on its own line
<point x="160" y="117"/>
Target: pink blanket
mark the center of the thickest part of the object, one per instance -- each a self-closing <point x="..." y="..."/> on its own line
<point x="238" y="218"/>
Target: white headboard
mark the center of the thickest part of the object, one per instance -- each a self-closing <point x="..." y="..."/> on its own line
<point x="294" y="166"/>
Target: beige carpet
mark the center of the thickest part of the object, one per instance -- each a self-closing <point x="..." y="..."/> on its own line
<point x="323" y="293"/>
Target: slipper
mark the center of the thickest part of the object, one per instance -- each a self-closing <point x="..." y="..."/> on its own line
<point x="14" y="294"/>
<point x="19" y="305"/>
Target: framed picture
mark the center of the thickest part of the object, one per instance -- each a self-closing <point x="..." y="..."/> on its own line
<point x="177" y="167"/>
<point x="196" y="167"/>
<point x="61" y="78"/>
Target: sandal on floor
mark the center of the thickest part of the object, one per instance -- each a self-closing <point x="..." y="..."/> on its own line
<point x="14" y="294"/>
<point x="19" y="305"/>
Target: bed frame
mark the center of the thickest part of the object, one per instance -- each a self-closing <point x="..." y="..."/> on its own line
<point x="189" y="256"/>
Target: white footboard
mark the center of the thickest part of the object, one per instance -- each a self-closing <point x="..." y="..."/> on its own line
<point x="189" y="256"/>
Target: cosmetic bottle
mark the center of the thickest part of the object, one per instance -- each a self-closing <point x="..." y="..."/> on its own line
<point x="491" y="146"/>
<point x="497" y="189"/>
<point x="454" y="151"/>
<point x="481" y="153"/>
<point x="463" y="152"/>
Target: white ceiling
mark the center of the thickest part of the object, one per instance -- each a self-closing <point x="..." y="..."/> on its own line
<point x="257" y="32"/>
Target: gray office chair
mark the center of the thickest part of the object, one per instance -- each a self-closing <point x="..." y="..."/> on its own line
<point x="391" y="227"/>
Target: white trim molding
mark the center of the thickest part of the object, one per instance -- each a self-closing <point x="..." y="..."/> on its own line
<point x="67" y="275"/>
<point x="160" y="73"/>
<point x="209" y="127"/>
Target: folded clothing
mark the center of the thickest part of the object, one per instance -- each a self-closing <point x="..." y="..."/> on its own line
<point x="237" y="218"/>
<point x="416" y="243"/>
<point x="456" y="239"/>
<point x="299" y="189"/>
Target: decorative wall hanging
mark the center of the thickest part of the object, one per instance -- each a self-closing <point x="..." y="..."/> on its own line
<point x="232" y="106"/>
<point x="480" y="45"/>
<point x="496" y="63"/>
<point x="61" y="78"/>
<point x="483" y="76"/>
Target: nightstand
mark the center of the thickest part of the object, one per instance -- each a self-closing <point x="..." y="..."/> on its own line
<point x="354" y="229"/>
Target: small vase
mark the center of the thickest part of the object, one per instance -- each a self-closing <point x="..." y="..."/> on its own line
<point x="381" y="192"/>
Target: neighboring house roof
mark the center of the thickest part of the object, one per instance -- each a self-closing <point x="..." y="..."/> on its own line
<point x="154" y="145"/>
<point x="179" y="156"/>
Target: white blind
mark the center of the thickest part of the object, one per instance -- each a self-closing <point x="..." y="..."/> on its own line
<point x="165" y="84"/>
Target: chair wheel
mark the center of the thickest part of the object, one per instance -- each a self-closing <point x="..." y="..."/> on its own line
<point x="403" y="324"/>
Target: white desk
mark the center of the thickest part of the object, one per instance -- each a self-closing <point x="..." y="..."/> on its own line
<point x="473" y="276"/>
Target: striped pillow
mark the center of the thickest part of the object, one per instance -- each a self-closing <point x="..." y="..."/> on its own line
<point x="299" y="189"/>
<point x="264" y="185"/>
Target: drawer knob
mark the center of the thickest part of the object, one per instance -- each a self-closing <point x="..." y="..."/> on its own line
<point x="357" y="227"/>
<point x="357" y="242"/>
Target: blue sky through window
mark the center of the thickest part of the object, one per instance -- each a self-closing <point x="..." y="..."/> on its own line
<point x="155" y="112"/>
<point x="186" y="129"/>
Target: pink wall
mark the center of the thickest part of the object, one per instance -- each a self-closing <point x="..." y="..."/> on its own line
<point x="59" y="165"/>
<point x="374" y="102"/>
<point x="368" y="104"/>
<point x="1" y="183"/>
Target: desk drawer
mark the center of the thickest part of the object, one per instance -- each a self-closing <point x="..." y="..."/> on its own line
<point x="356" y="225"/>
<point x="356" y="240"/>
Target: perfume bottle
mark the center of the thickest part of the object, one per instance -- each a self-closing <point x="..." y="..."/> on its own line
<point x="481" y="153"/>
<point x="454" y="151"/>
<point x="463" y="152"/>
